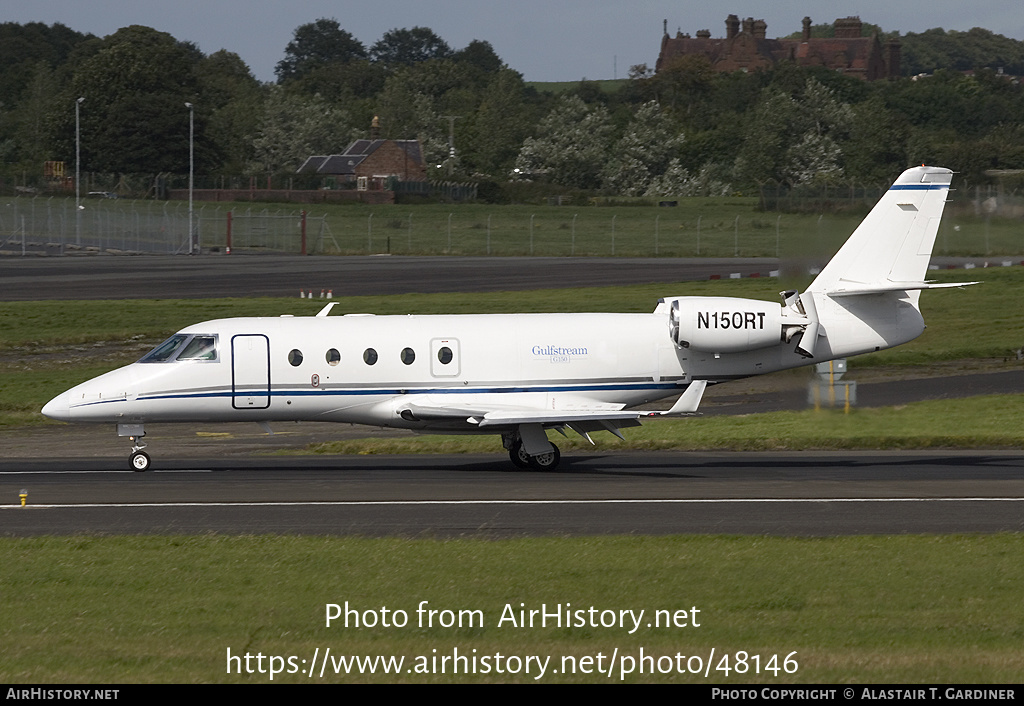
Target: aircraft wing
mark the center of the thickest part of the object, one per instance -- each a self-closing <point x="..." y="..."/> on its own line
<point x="581" y="421"/>
<point x="686" y="404"/>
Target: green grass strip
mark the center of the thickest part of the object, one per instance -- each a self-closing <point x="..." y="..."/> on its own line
<point x="900" y="609"/>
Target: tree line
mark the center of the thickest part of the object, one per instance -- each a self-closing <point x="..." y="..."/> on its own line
<point x="685" y="130"/>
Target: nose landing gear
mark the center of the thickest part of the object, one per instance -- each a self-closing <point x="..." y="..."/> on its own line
<point x="139" y="460"/>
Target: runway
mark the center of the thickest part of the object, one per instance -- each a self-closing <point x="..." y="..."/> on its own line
<point x="807" y="494"/>
<point x="214" y="276"/>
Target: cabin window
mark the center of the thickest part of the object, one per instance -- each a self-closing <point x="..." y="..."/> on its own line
<point x="408" y="356"/>
<point x="295" y="357"/>
<point x="369" y="356"/>
<point x="200" y="348"/>
<point x="444" y="355"/>
<point x="333" y="357"/>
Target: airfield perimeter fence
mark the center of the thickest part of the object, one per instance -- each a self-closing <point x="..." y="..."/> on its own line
<point x="52" y="225"/>
<point x="724" y="227"/>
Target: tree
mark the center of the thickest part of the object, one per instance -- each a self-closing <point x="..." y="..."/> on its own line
<point x="684" y="81"/>
<point x="677" y="181"/>
<point x="877" y="148"/>
<point x="571" y="147"/>
<point x="293" y="128"/>
<point x="409" y="113"/>
<point x="134" y="118"/>
<point x="315" y="45"/>
<point x="27" y="123"/>
<point x="934" y="49"/>
<point x="233" y="100"/>
<point x="643" y="152"/>
<point x="795" y="140"/>
<point x="497" y="128"/>
<point x="359" y="79"/>
<point x="481" y="56"/>
<point x="23" y="47"/>
<point x="763" y="150"/>
<point x="409" y="46"/>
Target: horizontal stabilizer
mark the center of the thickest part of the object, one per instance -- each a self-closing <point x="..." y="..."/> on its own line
<point x="850" y="289"/>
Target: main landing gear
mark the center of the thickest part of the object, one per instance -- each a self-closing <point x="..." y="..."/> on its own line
<point x="544" y="461"/>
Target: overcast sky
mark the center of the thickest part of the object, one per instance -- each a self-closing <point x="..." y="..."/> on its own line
<point x="545" y="40"/>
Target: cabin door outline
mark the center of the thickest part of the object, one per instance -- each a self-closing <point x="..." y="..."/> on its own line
<point x="250" y="371"/>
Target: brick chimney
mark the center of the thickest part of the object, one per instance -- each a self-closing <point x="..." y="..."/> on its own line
<point x="892" y="60"/>
<point x="848" y="28"/>
<point x="807" y="29"/>
<point x="732" y="26"/>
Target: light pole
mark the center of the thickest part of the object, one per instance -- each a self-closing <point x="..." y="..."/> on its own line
<point x="191" y="169"/>
<point x="78" y="161"/>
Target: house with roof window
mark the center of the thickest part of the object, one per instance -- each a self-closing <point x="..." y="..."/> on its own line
<point x="371" y="164"/>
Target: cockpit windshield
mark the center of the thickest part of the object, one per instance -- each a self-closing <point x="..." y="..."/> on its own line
<point x="200" y="348"/>
<point x="184" y="347"/>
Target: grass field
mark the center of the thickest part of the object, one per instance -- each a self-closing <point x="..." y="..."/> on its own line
<point x="876" y="610"/>
<point x="706" y="227"/>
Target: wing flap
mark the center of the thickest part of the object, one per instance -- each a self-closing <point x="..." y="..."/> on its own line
<point x="555" y="417"/>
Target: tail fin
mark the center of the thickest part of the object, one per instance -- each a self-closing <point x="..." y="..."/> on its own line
<point x="891" y="248"/>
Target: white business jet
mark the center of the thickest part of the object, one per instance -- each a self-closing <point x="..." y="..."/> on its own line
<point x="519" y="375"/>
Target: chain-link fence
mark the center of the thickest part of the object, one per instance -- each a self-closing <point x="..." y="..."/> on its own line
<point x="726" y="227"/>
<point x="55" y="226"/>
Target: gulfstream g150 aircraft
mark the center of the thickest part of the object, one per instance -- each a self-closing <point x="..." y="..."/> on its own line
<point x="519" y="375"/>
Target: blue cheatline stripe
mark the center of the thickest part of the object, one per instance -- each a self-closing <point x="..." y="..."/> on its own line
<point x="917" y="187"/>
<point x="396" y="391"/>
<point x="422" y="391"/>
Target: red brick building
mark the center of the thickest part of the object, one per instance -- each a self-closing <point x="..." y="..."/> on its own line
<point x="370" y="163"/>
<point x="746" y="48"/>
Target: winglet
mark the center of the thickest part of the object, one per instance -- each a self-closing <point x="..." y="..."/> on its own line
<point x="688" y="401"/>
<point x="326" y="310"/>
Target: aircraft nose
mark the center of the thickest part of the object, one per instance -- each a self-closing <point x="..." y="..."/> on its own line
<point x="58" y="408"/>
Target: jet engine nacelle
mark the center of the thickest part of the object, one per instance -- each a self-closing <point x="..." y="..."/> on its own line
<point x="725" y="324"/>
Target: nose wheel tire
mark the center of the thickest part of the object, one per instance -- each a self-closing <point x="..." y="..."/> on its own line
<point x="139" y="461"/>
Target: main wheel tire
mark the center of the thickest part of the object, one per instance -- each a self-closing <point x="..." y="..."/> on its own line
<point x="139" y="461"/>
<point x="518" y="455"/>
<point x="546" y="461"/>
